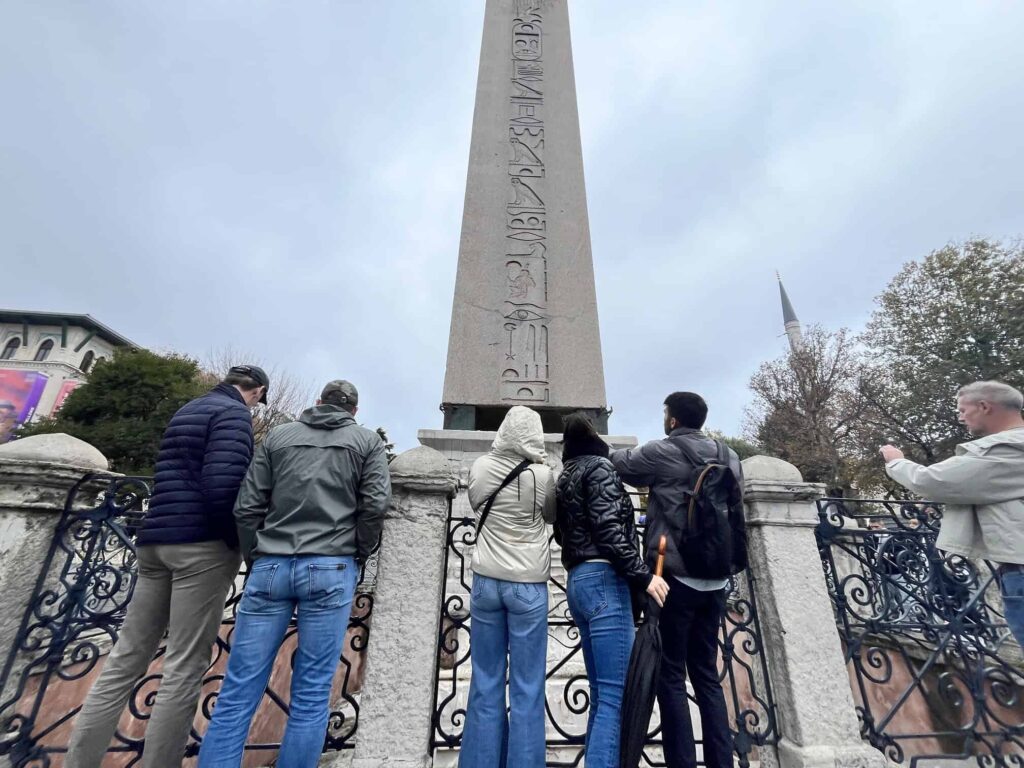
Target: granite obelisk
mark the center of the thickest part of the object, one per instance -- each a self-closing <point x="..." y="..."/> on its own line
<point x="524" y="325"/>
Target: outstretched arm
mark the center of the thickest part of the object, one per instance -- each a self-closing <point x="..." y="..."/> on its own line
<point x="635" y="466"/>
<point x="987" y="478"/>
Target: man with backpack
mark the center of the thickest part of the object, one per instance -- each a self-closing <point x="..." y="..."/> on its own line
<point x="696" y="502"/>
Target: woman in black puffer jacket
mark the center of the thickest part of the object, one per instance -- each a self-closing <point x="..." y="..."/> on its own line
<point x="600" y="551"/>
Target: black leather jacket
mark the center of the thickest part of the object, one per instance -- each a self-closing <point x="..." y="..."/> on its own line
<point x="595" y="519"/>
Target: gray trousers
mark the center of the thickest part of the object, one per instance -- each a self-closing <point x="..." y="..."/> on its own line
<point x="181" y="588"/>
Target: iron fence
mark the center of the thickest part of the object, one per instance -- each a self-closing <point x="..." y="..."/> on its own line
<point x="742" y="665"/>
<point x="75" y="613"/>
<point x="935" y="672"/>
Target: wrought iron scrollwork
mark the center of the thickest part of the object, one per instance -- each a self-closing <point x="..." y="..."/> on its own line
<point x="743" y="668"/>
<point x="75" y="614"/>
<point x="924" y="635"/>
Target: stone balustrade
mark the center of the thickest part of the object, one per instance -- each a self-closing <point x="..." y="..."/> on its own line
<point x="815" y="708"/>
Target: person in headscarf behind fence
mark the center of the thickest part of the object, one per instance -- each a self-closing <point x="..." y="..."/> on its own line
<point x="509" y="601"/>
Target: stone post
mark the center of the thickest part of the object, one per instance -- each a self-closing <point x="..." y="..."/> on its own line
<point x="36" y="474"/>
<point x="816" y="714"/>
<point x="397" y="700"/>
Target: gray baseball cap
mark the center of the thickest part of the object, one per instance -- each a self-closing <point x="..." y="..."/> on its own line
<point x="340" y="391"/>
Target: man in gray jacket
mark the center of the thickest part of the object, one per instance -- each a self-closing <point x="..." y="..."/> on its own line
<point x="982" y="488"/>
<point x="309" y="513"/>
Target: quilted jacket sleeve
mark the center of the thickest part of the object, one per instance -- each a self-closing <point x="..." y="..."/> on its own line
<point x="606" y="515"/>
<point x="225" y="461"/>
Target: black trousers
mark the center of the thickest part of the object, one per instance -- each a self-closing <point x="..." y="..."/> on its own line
<point x="690" y="622"/>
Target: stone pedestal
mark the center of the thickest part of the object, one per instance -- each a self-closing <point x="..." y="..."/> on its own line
<point x="817" y="718"/>
<point x="401" y="661"/>
<point x="461" y="447"/>
<point x="36" y="474"/>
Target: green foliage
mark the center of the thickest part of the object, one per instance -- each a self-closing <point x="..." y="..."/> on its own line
<point x="806" y="407"/>
<point x="126" y="405"/>
<point x="744" y="448"/>
<point x="953" y="318"/>
<point x="389" y="447"/>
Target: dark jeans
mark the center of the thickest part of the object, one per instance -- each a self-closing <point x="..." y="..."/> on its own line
<point x="690" y="622"/>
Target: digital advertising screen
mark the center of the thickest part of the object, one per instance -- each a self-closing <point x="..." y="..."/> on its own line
<point x="19" y="396"/>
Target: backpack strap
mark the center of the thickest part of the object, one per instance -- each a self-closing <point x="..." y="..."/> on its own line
<point x="721" y="459"/>
<point x="519" y="469"/>
<point x="688" y="453"/>
<point x="723" y="453"/>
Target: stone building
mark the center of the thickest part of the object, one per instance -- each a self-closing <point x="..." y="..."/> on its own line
<point x="44" y="356"/>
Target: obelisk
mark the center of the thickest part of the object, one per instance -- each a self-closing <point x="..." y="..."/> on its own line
<point x="524" y="325"/>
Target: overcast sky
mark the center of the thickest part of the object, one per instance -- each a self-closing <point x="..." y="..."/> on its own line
<point x="288" y="178"/>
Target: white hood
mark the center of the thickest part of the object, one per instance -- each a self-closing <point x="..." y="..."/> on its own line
<point x="521" y="434"/>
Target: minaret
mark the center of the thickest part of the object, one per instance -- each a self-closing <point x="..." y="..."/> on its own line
<point x="792" y="324"/>
<point x="524" y="320"/>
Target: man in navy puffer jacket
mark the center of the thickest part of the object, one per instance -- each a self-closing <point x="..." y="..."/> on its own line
<point x="188" y="557"/>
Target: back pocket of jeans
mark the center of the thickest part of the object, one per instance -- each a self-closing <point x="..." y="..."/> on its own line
<point x="528" y="594"/>
<point x="590" y="593"/>
<point x="328" y="584"/>
<point x="261" y="579"/>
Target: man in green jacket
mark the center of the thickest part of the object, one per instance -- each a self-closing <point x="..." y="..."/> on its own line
<point x="309" y="513"/>
<point x="982" y="488"/>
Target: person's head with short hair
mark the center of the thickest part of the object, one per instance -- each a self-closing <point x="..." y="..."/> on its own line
<point x="340" y="393"/>
<point x="251" y="381"/>
<point x="684" y="409"/>
<point x="988" y="407"/>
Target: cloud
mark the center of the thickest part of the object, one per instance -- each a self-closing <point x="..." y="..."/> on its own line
<point x="207" y="175"/>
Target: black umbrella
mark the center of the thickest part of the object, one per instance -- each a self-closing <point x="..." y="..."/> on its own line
<point x="642" y="679"/>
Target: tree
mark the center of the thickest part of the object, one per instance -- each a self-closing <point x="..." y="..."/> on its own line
<point x="955" y="317"/>
<point x="389" y="447"/>
<point x="744" y="448"/>
<point x="287" y="395"/>
<point x="124" y="407"/>
<point x="807" y="405"/>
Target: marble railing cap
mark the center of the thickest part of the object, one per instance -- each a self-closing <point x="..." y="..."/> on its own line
<point x="54" y="449"/>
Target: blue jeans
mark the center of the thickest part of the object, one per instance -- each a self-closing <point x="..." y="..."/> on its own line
<point x="320" y="588"/>
<point x="1012" y="585"/>
<point x="600" y="604"/>
<point x="508" y="633"/>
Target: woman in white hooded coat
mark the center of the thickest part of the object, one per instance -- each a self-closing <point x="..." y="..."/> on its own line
<point x="509" y="602"/>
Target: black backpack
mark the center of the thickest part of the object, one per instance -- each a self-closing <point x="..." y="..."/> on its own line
<point x="712" y="541"/>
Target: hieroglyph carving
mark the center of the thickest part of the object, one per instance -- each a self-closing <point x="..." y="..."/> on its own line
<point x="524" y="364"/>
